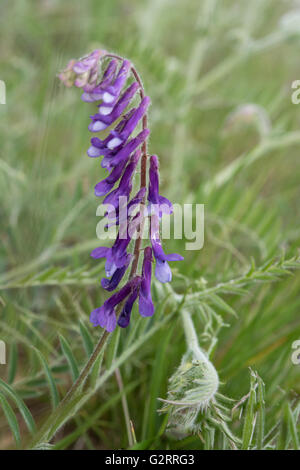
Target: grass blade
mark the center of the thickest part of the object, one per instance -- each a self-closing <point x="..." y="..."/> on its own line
<point x="70" y="357"/>
<point x="11" y="419"/>
<point x="52" y="385"/>
<point x="27" y="416"/>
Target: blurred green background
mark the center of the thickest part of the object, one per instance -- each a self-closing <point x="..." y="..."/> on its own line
<point x="219" y="74"/>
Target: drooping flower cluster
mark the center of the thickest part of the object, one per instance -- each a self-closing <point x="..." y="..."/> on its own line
<point x="121" y="152"/>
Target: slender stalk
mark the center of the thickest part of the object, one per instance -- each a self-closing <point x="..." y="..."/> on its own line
<point x="85" y="371"/>
<point x="125" y="407"/>
<point x="191" y="336"/>
<point x="42" y="434"/>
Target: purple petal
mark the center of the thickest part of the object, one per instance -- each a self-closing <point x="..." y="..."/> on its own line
<point x="104" y="317"/>
<point x="124" y="318"/>
<point x="125" y="151"/>
<point x="112" y="284"/>
<point x="101" y="121"/>
<point x="174" y="257"/>
<point x="103" y="187"/>
<point x="94" y="316"/>
<point x="132" y="122"/>
<point x="160" y="254"/>
<point x="94" y="152"/>
<point x="165" y="206"/>
<point x="162" y="271"/>
<point x="146" y="307"/>
<point x="111" y="322"/>
<point x="106" y="185"/>
<point x="100" y="252"/>
<point x="110" y="267"/>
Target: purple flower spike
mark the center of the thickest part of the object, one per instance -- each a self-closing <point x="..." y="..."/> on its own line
<point x="157" y="204"/>
<point x="105" y="316"/>
<point x="125" y="186"/>
<point x="162" y="270"/>
<point x="124" y="318"/>
<point x="102" y="120"/>
<point x="146" y="307"/>
<point x="121" y="152"/>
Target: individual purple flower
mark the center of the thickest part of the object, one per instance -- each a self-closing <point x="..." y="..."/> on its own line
<point x="162" y="270"/>
<point x="112" y="91"/>
<point x="103" y="187"/>
<point x="120" y="134"/>
<point x="102" y="120"/>
<point x="125" y="151"/>
<point x="124" y="211"/>
<point x="146" y="307"/>
<point x="117" y="256"/>
<point x="112" y="284"/>
<point x="125" y="185"/>
<point x="125" y="315"/>
<point x="100" y="147"/>
<point x="105" y="316"/>
<point x="108" y="76"/>
<point x="157" y="204"/>
<point x="120" y="137"/>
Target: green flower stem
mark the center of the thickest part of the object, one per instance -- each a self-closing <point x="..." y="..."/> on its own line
<point x="208" y="383"/>
<point x="191" y="337"/>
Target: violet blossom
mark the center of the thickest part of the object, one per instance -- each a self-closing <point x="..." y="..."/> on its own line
<point x="146" y="307"/>
<point x="105" y="316"/>
<point x="162" y="269"/>
<point x="102" y="119"/>
<point x="157" y="203"/>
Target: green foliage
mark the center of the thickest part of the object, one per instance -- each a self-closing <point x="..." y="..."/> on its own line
<point x="241" y="289"/>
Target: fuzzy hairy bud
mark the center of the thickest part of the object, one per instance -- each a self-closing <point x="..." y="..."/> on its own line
<point x="191" y="390"/>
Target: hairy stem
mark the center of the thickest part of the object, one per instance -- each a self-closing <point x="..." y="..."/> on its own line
<point x="191" y="336"/>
